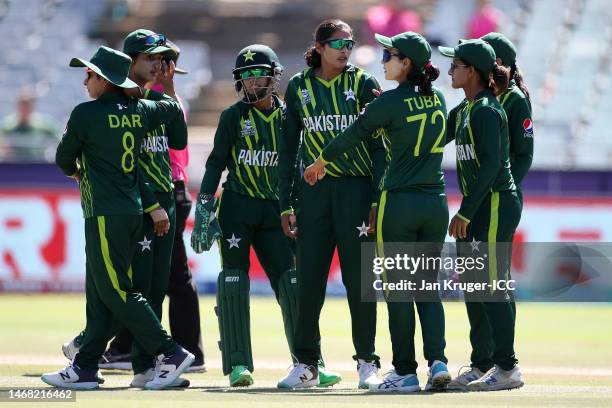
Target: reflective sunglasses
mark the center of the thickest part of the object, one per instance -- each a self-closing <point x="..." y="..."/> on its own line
<point x="387" y="55"/>
<point x="340" y="43"/>
<point x="155" y="39"/>
<point x="453" y="66"/>
<point x="255" y="73"/>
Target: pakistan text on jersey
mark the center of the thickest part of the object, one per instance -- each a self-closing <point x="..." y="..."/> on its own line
<point x="466" y="152"/>
<point x="325" y="123"/>
<point x="154" y="144"/>
<point x="258" y="158"/>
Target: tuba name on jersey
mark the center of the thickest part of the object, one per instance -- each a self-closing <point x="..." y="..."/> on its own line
<point x="325" y="123"/>
<point x="260" y="158"/>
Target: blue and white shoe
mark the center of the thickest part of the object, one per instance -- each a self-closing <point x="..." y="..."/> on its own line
<point x="72" y="377"/>
<point x="460" y="382"/>
<point x="169" y="368"/>
<point x="393" y="382"/>
<point x="497" y="379"/>
<point x="438" y="377"/>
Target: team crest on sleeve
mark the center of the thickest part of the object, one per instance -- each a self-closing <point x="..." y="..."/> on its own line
<point x="528" y="127"/>
<point x="248" y="129"/>
<point x="305" y="97"/>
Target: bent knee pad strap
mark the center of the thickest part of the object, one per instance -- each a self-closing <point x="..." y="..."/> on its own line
<point x="287" y="299"/>
<point x="234" y="319"/>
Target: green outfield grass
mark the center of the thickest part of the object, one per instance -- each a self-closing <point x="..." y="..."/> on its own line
<point x="564" y="350"/>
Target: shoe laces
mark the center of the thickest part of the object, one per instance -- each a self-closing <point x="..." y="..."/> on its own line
<point x="367" y="368"/>
<point x="491" y="373"/>
<point x="469" y="368"/>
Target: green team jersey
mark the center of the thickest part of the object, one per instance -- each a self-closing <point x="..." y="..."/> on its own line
<point x="480" y="131"/>
<point x="104" y="136"/>
<point x="246" y="143"/>
<point x="520" y="127"/>
<point x="318" y="110"/>
<point x="154" y="158"/>
<point x="414" y="136"/>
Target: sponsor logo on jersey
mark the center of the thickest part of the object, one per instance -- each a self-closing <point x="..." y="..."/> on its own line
<point x="466" y="152"/>
<point x="305" y="97"/>
<point x="248" y="129"/>
<point x="261" y="158"/>
<point x="326" y="123"/>
<point x="528" y="127"/>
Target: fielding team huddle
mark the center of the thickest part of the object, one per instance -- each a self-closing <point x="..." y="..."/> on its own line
<point x="336" y="164"/>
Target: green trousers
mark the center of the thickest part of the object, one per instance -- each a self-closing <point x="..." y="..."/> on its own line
<point x="492" y="323"/>
<point x="150" y="276"/>
<point x="110" y="244"/>
<point x="330" y="214"/>
<point x="151" y="273"/>
<point x="407" y="218"/>
<point x="247" y="222"/>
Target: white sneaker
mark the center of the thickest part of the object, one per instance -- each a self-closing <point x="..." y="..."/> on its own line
<point x="497" y="379"/>
<point x="301" y="376"/>
<point x="368" y="373"/>
<point x="169" y="368"/>
<point x="141" y="379"/>
<point x="437" y="377"/>
<point x="460" y="382"/>
<point x="70" y="349"/>
<point x="395" y="382"/>
<point x="72" y="377"/>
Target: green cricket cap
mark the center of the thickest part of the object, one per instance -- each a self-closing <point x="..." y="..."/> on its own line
<point x="477" y="53"/>
<point x="409" y="44"/>
<point x="110" y="64"/>
<point x="503" y="47"/>
<point x="145" y="41"/>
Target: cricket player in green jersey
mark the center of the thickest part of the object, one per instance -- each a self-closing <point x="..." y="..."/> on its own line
<point x="246" y="144"/>
<point x="412" y="206"/>
<point x="151" y="262"/>
<point x="100" y="149"/>
<point x="517" y="104"/>
<point x="322" y="101"/>
<point x="490" y="209"/>
<point x="515" y="101"/>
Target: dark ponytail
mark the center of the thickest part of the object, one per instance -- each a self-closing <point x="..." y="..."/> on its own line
<point x="423" y="78"/>
<point x="324" y="32"/>
<point x="497" y="80"/>
<point x="517" y="75"/>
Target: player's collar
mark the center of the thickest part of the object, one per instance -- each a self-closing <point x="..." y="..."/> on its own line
<point x="112" y="96"/>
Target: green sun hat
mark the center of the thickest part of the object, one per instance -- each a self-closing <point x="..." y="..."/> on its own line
<point x="145" y="41"/>
<point x="112" y="65"/>
<point x="409" y="44"/>
<point x="477" y="53"/>
<point x="503" y="47"/>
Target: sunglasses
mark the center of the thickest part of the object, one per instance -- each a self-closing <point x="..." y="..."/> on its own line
<point x="255" y="73"/>
<point x="387" y="55"/>
<point x="340" y="43"/>
<point x="155" y="39"/>
<point x="453" y="66"/>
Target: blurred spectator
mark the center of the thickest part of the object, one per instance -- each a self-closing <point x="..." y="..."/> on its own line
<point x="486" y="19"/>
<point x="391" y="18"/>
<point x="27" y="135"/>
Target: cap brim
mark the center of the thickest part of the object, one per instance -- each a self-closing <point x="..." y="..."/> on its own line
<point x="119" y="80"/>
<point x="158" y="50"/>
<point x="447" y="51"/>
<point x="384" y="41"/>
